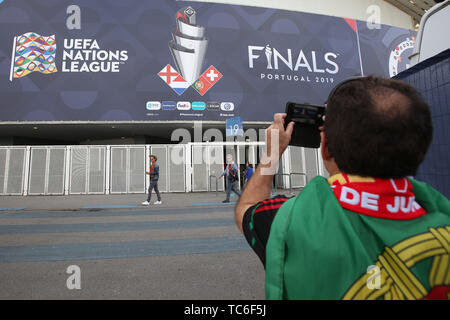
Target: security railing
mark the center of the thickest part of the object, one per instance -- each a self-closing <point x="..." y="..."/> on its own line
<point x="301" y="174"/>
<point x="277" y="175"/>
<point x="217" y="183"/>
<point x="289" y="175"/>
<point x="107" y="169"/>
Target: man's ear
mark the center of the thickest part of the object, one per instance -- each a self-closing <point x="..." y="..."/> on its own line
<point x="324" y="147"/>
<point x="328" y="160"/>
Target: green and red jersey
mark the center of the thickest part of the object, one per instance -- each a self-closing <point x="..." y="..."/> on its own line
<point x="326" y="242"/>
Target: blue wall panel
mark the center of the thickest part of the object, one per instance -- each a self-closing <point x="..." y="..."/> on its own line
<point x="432" y="78"/>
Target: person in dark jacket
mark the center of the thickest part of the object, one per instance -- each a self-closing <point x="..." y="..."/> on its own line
<point x="248" y="171"/>
<point x="154" y="176"/>
<point x="231" y="172"/>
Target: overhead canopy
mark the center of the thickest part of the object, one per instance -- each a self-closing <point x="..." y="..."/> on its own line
<point x="415" y="8"/>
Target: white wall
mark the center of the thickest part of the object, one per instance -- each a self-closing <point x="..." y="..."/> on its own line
<point x="433" y="41"/>
<point x="355" y="9"/>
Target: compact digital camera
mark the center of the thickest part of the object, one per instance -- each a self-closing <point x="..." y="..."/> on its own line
<point x="308" y="118"/>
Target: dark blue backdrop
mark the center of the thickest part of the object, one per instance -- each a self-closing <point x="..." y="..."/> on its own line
<point x="143" y="29"/>
<point x="432" y="78"/>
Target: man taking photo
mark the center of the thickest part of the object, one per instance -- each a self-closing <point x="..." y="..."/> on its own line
<point x="369" y="231"/>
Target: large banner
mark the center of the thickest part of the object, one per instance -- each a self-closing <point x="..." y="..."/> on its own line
<point x="173" y="60"/>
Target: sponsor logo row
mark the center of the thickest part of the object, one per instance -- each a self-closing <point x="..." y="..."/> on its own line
<point x="187" y="105"/>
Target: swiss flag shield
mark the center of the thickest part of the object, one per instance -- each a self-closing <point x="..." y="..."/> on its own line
<point x="207" y="80"/>
<point x="212" y="75"/>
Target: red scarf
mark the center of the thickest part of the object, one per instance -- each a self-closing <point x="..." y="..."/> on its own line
<point x="381" y="198"/>
<point x="152" y="165"/>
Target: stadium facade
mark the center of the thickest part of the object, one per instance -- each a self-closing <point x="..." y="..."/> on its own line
<point x="89" y="91"/>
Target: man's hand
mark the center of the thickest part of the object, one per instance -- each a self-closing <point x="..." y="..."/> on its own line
<point x="277" y="131"/>
<point x="260" y="185"/>
<point x="321" y="128"/>
<point x="277" y="140"/>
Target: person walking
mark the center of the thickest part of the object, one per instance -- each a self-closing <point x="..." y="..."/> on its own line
<point x="231" y="172"/>
<point x="154" y="177"/>
<point x="248" y="172"/>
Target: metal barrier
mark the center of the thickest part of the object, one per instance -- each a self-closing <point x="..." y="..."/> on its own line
<point x="46" y="171"/>
<point x="105" y="169"/>
<point x="283" y="174"/>
<point x="291" y="189"/>
<point x="87" y="170"/>
<point x="301" y="174"/>
<point x="127" y="164"/>
<point x="13" y="170"/>
<point x="217" y="183"/>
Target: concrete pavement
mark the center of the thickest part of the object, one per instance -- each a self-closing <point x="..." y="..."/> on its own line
<point x="186" y="248"/>
<point x="112" y="201"/>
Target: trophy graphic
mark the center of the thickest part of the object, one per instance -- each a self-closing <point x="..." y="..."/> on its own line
<point x="188" y="46"/>
<point x="268" y="53"/>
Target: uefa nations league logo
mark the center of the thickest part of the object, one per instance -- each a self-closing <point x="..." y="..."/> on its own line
<point x="33" y="52"/>
<point x="188" y="49"/>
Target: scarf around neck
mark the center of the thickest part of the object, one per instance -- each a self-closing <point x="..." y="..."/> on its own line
<point x="382" y="198"/>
